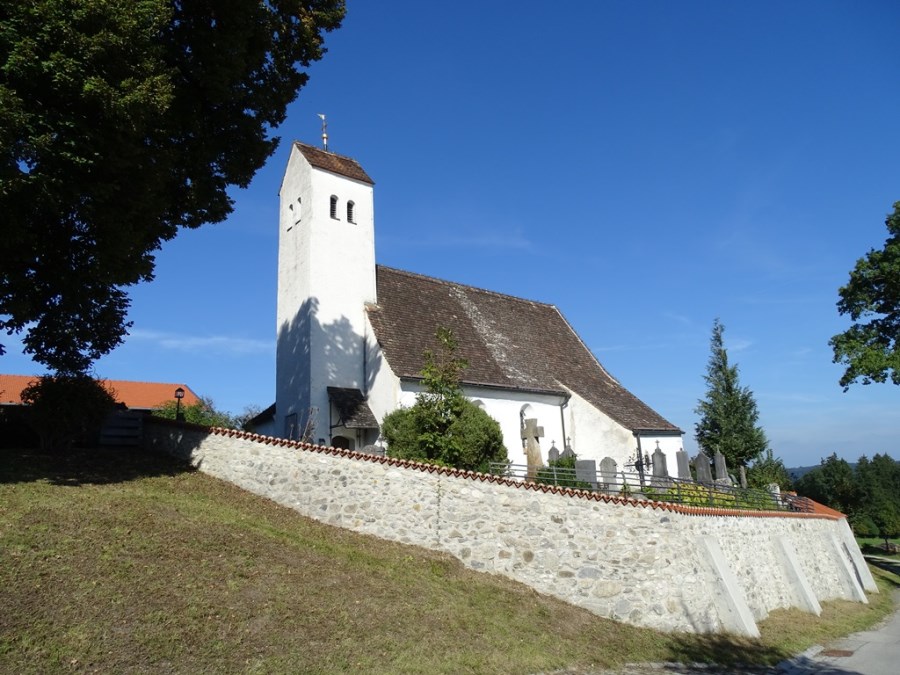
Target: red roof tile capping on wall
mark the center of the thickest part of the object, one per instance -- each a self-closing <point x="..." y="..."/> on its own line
<point x="140" y="395"/>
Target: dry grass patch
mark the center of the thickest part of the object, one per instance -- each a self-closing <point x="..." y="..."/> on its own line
<point x="121" y="561"/>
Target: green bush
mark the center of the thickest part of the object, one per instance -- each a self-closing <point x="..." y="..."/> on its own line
<point x="444" y="427"/>
<point x="470" y="439"/>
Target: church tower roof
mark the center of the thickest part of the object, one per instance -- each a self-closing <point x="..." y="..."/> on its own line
<point x="329" y="161"/>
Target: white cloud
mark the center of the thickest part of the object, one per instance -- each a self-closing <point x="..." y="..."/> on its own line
<point x="218" y="344"/>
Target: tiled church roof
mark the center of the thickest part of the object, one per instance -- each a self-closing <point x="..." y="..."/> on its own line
<point x="344" y="166"/>
<point x="509" y="342"/>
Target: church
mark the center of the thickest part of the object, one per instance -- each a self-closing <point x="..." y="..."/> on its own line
<point x="352" y="335"/>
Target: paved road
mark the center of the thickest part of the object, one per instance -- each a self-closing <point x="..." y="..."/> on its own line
<point x="872" y="652"/>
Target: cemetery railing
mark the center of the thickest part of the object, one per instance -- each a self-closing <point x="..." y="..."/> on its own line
<point x="658" y="488"/>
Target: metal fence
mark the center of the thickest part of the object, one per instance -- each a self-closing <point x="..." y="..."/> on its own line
<point x="661" y="489"/>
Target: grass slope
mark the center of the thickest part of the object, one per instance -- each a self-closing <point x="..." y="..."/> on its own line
<point x="121" y="561"/>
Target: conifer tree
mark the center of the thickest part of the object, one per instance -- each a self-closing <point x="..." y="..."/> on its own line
<point x="728" y="414"/>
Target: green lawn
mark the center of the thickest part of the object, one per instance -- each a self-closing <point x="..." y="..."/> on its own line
<point x="875" y="546"/>
<point x="119" y="561"/>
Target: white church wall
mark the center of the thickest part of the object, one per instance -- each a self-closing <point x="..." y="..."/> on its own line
<point x="505" y="406"/>
<point x="596" y="435"/>
<point x="326" y="275"/>
<point x="384" y="385"/>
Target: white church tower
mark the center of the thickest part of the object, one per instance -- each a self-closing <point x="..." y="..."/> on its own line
<point x="326" y="275"/>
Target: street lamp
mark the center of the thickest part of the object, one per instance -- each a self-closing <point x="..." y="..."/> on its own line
<point x="179" y="414"/>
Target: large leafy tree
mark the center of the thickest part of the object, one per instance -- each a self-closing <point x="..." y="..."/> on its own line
<point x="870" y="348"/>
<point x="728" y="414"/>
<point x="122" y="121"/>
<point x="443" y="426"/>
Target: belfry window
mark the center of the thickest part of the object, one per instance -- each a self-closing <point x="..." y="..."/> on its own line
<point x="334" y="207"/>
<point x="350" y="206"/>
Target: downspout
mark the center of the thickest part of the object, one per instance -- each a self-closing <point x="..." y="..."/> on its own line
<point x="562" y="419"/>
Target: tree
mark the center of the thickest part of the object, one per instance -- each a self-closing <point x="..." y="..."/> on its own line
<point x="202" y="412"/>
<point x="120" y="122"/>
<point x="768" y="470"/>
<point x="833" y="484"/>
<point x="443" y="426"/>
<point x="728" y="414"/>
<point x="870" y="348"/>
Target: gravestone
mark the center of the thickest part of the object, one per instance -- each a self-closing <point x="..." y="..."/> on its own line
<point x="660" y="468"/>
<point x="373" y="450"/>
<point x="532" y="434"/>
<point x="609" y="474"/>
<point x="553" y="452"/>
<point x="660" y="479"/>
<point x="721" y="469"/>
<point x="701" y="466"/>
<point x="568" y="452"/>
<point x="742" y="475"/>
<point x="684" y="465"/>
<point x="586" y="472"/>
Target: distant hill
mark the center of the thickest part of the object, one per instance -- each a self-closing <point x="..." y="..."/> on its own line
<point x="799" y="471"/>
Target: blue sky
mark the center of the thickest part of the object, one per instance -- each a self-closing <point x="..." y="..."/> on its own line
<point x="645" y="166"/>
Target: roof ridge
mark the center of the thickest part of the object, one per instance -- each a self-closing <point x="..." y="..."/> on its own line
<point x="328" y="152"/>
<point x="457" y="284"/>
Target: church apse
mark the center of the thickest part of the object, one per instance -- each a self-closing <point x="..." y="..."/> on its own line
<point x="315" y="360"/>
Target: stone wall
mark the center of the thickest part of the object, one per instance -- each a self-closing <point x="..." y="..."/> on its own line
<point x="663" y="566"/>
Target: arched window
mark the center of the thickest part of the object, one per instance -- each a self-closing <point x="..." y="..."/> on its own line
<point x="350" y="206"/>
<point x="334" y="207"/>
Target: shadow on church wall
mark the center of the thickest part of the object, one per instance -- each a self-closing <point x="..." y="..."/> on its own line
<point x="332" y="353"/>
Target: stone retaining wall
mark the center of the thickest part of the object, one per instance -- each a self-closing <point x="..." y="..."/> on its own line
<point x="664" y="566"/>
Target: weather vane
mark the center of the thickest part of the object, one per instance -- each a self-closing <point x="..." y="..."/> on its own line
<point x="324" y="132"/>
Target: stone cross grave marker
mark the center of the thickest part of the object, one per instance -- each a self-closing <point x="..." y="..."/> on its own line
<point x="701" y="466"/>
<point x="532" y="434"/>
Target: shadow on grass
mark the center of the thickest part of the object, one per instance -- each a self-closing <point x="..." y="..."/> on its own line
<point x="891" y="565"/>
<point x="86" y="466"/>
<point x="725" y="650"/>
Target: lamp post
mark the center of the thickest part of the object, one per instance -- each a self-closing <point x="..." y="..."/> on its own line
<point x="179" y="414"/>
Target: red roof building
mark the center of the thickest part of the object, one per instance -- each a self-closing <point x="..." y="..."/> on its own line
<point x="135" y="395"/>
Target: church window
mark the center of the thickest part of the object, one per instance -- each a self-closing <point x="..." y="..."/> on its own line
<point x="350" y="206"/>
<point x="334" y="207"/>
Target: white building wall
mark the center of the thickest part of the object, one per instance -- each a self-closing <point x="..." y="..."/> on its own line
<point x="506" y="406"/>
<point x="326" y="275"/>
